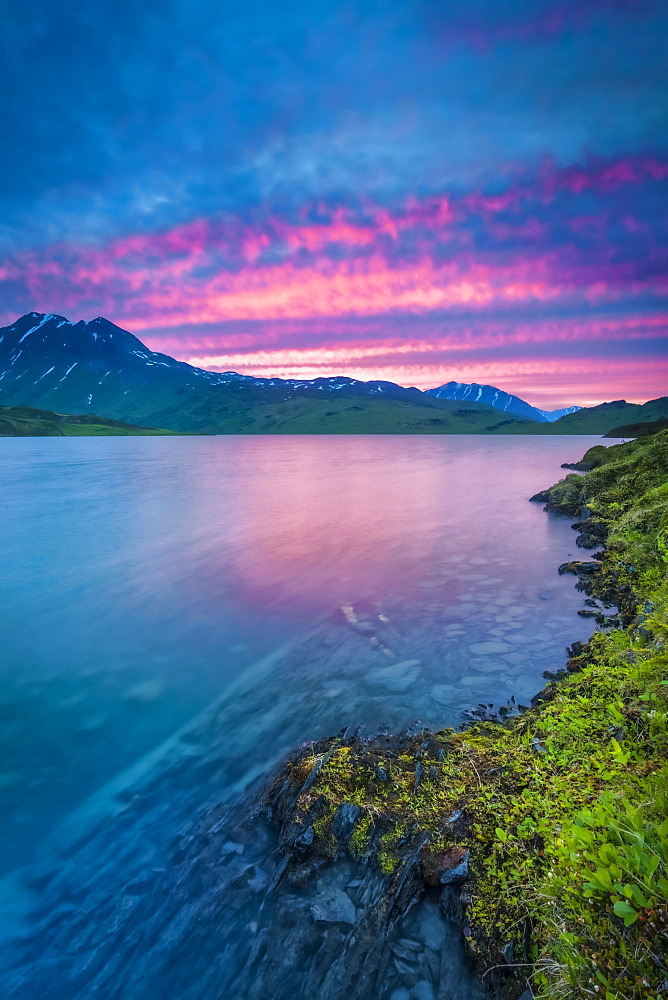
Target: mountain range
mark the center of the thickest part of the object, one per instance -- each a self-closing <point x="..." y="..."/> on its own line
<point x="95" y="367"/>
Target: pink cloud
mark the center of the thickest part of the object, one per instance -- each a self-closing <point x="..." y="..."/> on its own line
<point x="177" y="277"/>
<point x="533" y="359"/>
<point x="472" y="265"/>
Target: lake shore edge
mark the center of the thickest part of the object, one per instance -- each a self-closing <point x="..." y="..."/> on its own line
<point x="543" y="832"/>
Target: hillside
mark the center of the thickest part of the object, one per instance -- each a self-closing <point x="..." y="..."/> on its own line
<point x="241" y="412"/>
<point x="607" y="419"/>
<point x="608" y="416"/>
<point x="25" y="421"/>
<point x="638" y="430"/>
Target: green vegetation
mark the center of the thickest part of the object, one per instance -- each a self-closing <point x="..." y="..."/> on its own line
<point x="607" y="418"/>
<point x="25" y="421"/>
<point x="638" y="430"/>
<point x="244" y="409"/>
<point x="563" y="807"/>
<point x="247" y="409"/>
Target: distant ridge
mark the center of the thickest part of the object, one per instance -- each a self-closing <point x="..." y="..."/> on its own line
<point x="26" y="421"/>
<point x="613" y="417"/>
<point x="95" y="367"/>
<point x="472" y="392"/>
<point x="638" y="430"/>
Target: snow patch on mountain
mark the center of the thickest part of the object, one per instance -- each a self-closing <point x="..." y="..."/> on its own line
<point x="500" y="400"/>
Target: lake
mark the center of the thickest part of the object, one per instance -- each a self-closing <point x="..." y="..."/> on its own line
<point x="304" y="583"/>
<point x="140" y="576"/>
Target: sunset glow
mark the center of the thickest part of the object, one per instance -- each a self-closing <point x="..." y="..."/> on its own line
<point x="540" y="266"/>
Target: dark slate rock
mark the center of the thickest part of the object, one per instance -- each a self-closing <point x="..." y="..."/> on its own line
<point x="344" y="820"/>
<point x="305" y="839"/>
<point x="458" y="874"/>
<point x="542" y="497"/>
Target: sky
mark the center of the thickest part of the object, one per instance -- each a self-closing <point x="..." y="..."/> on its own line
<point x="412" y="190"/>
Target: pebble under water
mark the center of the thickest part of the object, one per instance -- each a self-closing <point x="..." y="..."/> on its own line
<point x="295" y="585"/>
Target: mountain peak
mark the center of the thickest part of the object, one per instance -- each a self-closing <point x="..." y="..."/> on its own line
<point x="474" y="392"/>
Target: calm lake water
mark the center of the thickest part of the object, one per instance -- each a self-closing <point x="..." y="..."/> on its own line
<point x="141" y="577"/>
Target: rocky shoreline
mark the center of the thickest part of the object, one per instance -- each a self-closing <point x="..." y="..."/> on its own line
<point x="480" y="814"/>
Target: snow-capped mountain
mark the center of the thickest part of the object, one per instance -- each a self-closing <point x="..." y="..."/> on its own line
<point x="95" y="367"/>
<point x="500" y="400"/>
<point x="47" y="359"/>
<point x="58" y="352"/>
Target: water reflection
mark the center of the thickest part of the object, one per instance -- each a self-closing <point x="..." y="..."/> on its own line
<point x="141" y="576"/>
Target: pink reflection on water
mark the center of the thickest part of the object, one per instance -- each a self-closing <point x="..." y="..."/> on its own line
<point x="298" y="525"/>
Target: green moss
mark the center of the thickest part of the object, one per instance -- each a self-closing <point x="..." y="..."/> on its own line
<point x="563" y="808"/>
<point x="360" y="838"/>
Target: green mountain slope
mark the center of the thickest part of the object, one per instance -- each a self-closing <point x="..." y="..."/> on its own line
<point x="608" y="416"/>
<point x="25" y="421"/>
<point x="243" y="410"/>
<point x="638" y="430"/>
<point x="608" y="419"/>
<point x="247" y="415"/>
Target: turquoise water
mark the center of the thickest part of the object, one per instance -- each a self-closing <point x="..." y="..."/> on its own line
<point x="142" y="577"/>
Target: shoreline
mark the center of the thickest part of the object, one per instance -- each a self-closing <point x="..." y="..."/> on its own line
<point x="507" y="812"/>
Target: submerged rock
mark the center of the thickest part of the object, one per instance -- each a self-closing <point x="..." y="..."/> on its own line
<point x="145" y="692"/>
<point x="395" y="677"/>
<point x="334" y="907"/>
<point x="232" y="847"/>
<point x="491" y="646"/>
<point x="444" y="694"/>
